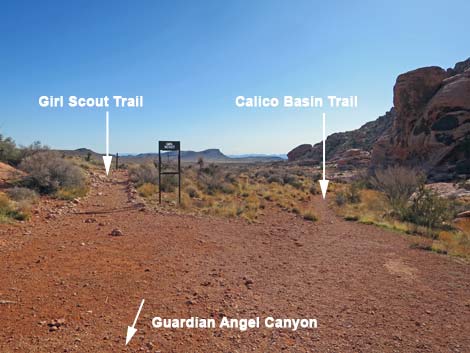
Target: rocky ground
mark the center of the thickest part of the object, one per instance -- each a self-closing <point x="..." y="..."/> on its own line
<point x="74" y="276"/>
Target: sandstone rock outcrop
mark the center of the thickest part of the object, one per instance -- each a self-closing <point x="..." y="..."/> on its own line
<point x="432" y="126"/>
<point x="358" y="142"/>
<point x="428" y="128"/>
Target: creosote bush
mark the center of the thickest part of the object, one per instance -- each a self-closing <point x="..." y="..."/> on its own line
<point x="427" y="209"/>
<point x="143" y="173"/>
<point x="9" y="153"/>
<point x="48" y="173"/>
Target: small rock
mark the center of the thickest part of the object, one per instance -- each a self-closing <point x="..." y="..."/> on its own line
<point x="116" y="232"/>
<point x="248" y="282"/>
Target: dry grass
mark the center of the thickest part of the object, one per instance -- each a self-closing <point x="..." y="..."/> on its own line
<point x="70" y="193"/>
<point x="147" y="190"/>
<point x="245" y="192"/>
<point x="10" y="210"/>
<point x="375" y="209"/>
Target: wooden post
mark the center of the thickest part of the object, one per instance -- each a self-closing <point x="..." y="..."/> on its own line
<point x="117" y="161"/>
<point x="159" y="176"/>
<point x="179" y="177"/>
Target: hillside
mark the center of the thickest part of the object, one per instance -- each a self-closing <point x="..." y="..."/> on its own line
<point x="343" y="145"/>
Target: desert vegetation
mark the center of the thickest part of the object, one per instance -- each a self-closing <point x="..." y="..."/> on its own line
<point x="41" y="172"/>
<point x="397" y="198"/>
<point x="233" y="190"/>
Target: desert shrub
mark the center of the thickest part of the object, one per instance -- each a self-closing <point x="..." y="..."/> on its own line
<point x="213" y="181"/>
<point x="211" y="169"/>
<point x="9" y="153"/>
<point x="20" y="194"/>
<point x="398" y="184"/>
<point x="310" y="216"/>
<point x="428" y="209"/>
<point x="340" y="198"/>
<point x="314" y="190"/>
<point x="48" y="172"/>
<point x="289" y="179"/>
<point x="275" y="179"/>
<point x="33" y="148"/>
<point x="8" y="210"/>
<point x="142" y="174"/>
<point x="192" y="192"/>
<point x="169" y="183"/>
<point x="353" y="194"/>
<point x="147" y="189"/>
<point x="263" y="173"/>
<point x="230" y="178"/>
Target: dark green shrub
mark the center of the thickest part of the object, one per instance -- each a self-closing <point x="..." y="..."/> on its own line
<point x="9" y="153"/>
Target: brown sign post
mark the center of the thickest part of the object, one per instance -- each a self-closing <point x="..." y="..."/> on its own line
<point x="168" y="147"/>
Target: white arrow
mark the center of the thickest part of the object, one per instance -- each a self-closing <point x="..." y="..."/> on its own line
<point x="132" y="330"/>
<point x="107" y="159"/>
<point x="324" y="182"/>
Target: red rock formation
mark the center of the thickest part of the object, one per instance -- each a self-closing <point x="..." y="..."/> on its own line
<point x="432" y="126"/>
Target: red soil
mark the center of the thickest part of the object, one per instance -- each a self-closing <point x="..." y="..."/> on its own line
<point x="369" y="291"/>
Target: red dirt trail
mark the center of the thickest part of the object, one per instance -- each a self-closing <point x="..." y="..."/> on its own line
<point x="369" y="291"/>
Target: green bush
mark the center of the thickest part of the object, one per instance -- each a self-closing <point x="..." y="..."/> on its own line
<point x="48" y="172"/>
<point x="9" y="153"/>
<point x="428" y="209"/>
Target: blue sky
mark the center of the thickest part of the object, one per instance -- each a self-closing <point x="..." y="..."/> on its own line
<point x="191" y="59"/>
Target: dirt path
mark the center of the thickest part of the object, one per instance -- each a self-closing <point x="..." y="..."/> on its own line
<point x="368" y="290"/>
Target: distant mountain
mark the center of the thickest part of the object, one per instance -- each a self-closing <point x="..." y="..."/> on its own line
<point x="212" y="155"/>
<point x="81" y="152"/>
<point x="259" y="155"/>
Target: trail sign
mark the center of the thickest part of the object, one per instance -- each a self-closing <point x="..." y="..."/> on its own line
<point x="168" y="147"/>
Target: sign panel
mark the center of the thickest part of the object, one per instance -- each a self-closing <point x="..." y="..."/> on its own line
<point x="169" y="145"/>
